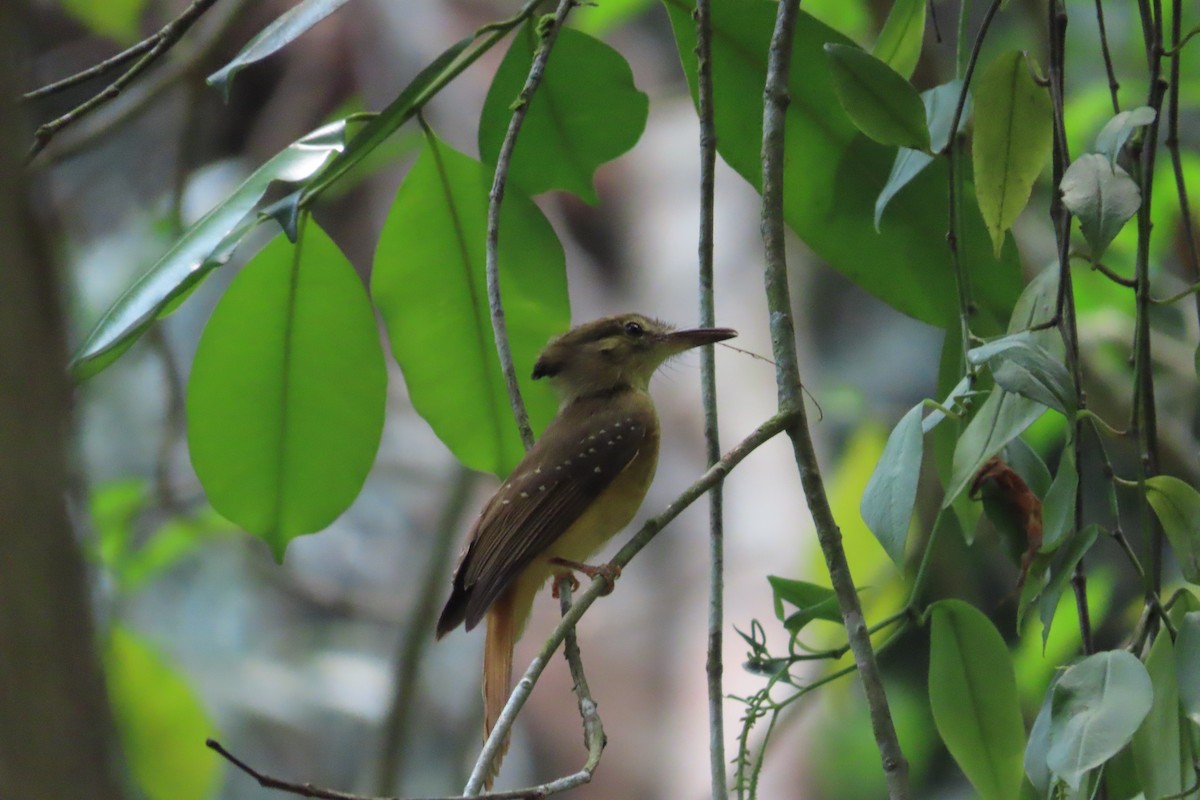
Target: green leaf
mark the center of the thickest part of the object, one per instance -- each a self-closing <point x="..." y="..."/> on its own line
<point x="1157" y="746"/>
<point x="1029" y="465"/>
<point x="1003" y="416"/>
<point x="1061" y="574"/>
<point x="430" y="287"/>
<point x="813" y="602"/>
<point x="161" y="722"/>
<point x="1177" y="506"/>
<point x="285" y="28"/>
<point x="586" y="111"/>
<point x="973" y="695"/>
<point x="899" y="43"/>
<point x="286" y="398"/>
<point x="834" y="174"/>
<point x="115" y="18"/>
<point x="1102" y="196"/>
<point x="887" y="502"/>
<point x="1058" y="507"/>
<point x="1022" y="366"/>
<point x="1117" y="131"/>
<point x="1039" y="740"/>
<point x="1187" y="664"/>
<point x="204" y="246"/>
<point x="601" y="17"/>
<point x="882" y="104"/>
<point x="1013" y="126"/>
<point x="1098" y="704"/>
<point x="940" y="103"/>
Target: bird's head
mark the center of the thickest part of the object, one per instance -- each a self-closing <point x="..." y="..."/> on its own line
<point x="614" y="352"/>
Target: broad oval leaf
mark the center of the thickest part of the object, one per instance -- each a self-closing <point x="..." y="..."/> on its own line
<point x="887" y="502"/>
<point x="585" y="112"/>
<point x="1013" y="127"/>
<point x="1157" y="747"/>
<point x="882" y="104"/>
<point x="1102" y="196"/>
<point x="940" y="103"/>
<point x="1177" y="506"/>
<point x="278" y="34"/>
<point x="899" y="43"/>
<point x="286" y="398"/>
<point x="834" y="174"/>
<point x="205" y="245"/>
<point x="160" y="720"/>
<point x="1117" y="131"/>
<point x="430" y="286"/>
<point x="973" y="696"/>
<point x="1187" y="664"/>
<point x="1098" y="704"/>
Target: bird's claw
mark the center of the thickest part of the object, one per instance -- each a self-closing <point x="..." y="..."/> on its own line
<point x="610" y="572"/>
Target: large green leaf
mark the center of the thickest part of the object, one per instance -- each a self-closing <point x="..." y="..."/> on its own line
<point x="973" y="695"/>
<point x="286" y="397"/>
<point x="1178" y="508"/>
<point x="1013" y="127"/>
<point x="585" y="112"/>
<point x="430" y="286"/>
<point x="1098" y="704"/>
<point x="833" y="174"/>
<point x="161" y="722"/>
<point x="882" y="105"/>
<point x="899" y="43"/>
<point x="205" y="245"/>
<point x="278" y="34"/>
<point x="1157" y="745"/>
<point x="887" y="502"/>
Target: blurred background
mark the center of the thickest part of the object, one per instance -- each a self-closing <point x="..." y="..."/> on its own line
<point x="295" y="667"/>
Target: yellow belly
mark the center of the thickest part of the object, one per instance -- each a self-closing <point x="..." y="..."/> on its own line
<point x="605" y="518"/>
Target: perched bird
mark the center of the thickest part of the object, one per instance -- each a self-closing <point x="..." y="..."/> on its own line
<point x="579" y="485"/>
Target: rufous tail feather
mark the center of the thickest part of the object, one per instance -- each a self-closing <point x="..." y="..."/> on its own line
<point x="497" y="670"/>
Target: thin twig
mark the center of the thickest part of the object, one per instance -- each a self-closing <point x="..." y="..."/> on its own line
<point x="547" y="32"/>
<point x="1144" y="423"/>
<point x="94" y="71"/>
<point x="791" y="399"/>
<point x="165" y="39"/>
<point x="952" y="193"/>
<point x="1113" y="86"/>
<point x="398" y="723"/>
<point x="1172" y="144"/>
<point x="714" y="664"/>
<point x="184" y="62"/>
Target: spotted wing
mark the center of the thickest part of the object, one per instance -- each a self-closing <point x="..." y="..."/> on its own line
<point x="575" y="460"/>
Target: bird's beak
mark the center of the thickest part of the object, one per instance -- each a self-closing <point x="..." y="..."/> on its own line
<point x="678" y="341"/>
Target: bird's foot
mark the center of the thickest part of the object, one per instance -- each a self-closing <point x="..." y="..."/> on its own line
<point x="610" y="573"/>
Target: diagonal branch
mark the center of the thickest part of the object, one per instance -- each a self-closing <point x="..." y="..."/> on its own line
<point x="547" y="33"/>
<point x="164" y="40"/>
<point x="791" y="400"/>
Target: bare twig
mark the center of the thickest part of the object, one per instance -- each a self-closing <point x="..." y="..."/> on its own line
<point x="1113" y="86"/>
<point x="791" y="399"/>
<point x="1172" y="144"/>
<point x="164" y="40"/>
<point x="397" y="725"/>
<point x="94" y="71"/>
<point x="547" y="32"/>
<point x="714" y="665"/>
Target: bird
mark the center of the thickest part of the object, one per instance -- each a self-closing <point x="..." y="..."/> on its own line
<point x="578" y="486"/>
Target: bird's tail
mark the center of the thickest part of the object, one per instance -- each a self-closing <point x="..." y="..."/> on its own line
<point x="502" y="632"/>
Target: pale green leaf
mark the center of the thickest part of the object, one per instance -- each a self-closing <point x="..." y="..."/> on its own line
<point x="1177" y="506"/>
<point x="1102" y="196"/>
<point x="899" y="43"/>
<point x="887" y="502"/>
<point x="1117" y="131"/>
<point x="1157" y="745"/>
<point x="1013" y="126"/>
<point x="881" y="104"/>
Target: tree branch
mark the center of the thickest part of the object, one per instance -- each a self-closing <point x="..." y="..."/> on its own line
<point x="714" y="665"/>
<point x="791" y="400"/>
<point x="548" y="33"/>
<point x="164" y="40"/>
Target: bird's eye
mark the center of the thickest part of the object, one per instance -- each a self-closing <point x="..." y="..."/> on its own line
<point x="634" y="329"/>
